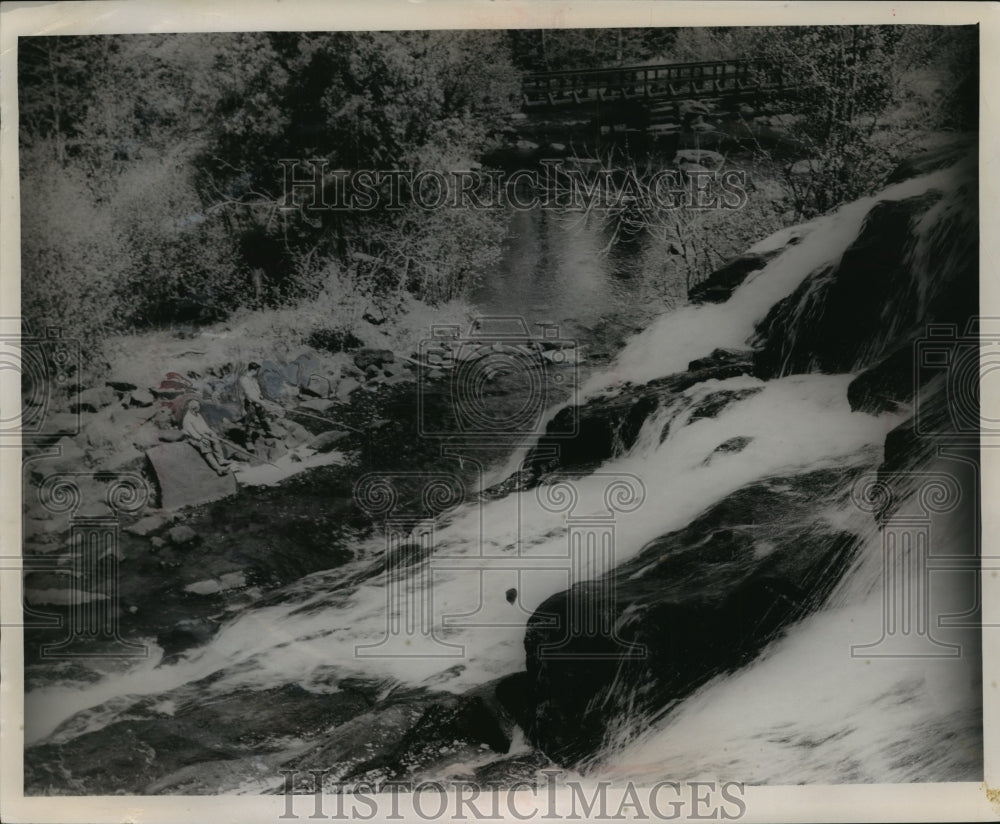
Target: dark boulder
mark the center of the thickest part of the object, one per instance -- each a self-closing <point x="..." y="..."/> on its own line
<point x="141" y="397"/>
<point x="334" y="340"/>
<point x="737" y="444"/>
<point x="610" y="425"/>
<point x="720" y="285"/>
<point x="402" y="732"/>
<point x="900" y="273"/>
<point x="934" y="159"/>
<point x="373" y="357"/>
<point x="711" y="405"/>
<point x="121" y="758"/>
<point x="184" y="635"/>
<point x="693" y="604"/>
<point x="885" y="386"/>
<point x="722" y="357"/>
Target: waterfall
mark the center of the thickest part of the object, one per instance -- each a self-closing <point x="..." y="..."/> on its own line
<point x="805" y="710"/>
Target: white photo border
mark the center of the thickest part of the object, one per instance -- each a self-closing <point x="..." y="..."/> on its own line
<point x="912" y="802"/>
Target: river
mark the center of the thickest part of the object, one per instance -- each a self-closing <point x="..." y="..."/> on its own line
<point x="561" y="268"/>
<point x="806" y="710"/>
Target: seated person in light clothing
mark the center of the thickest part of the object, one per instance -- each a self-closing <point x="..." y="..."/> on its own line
<point x="202" y="438"/>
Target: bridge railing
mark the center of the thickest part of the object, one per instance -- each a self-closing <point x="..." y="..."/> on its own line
<point x="665" y="81"/>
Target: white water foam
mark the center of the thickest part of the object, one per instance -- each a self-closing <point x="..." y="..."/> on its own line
<point x="669" y="344"/>
<point x="794" y="424"/>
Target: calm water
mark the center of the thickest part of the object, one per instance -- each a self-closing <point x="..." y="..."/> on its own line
<point x="560" y="268"/>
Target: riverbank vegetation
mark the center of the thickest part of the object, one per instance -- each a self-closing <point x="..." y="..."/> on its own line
<point x="152" y="192"/>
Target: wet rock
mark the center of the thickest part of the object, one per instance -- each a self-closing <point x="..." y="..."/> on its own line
<point x="723" y="357"/>
<point x="720" y="285"/>
<point x="41" y="581"/>
<point x="934" y="159"/>
<point x="371" y="689"/>
<point x="851" y="314"/>
<point x="361" y="743"/>
<point x="523" y="770"/>
<point x="474" y="718"/>
<point x="120" y="758"/>
<point x="184" y="635"/>
<point x="694" y="603"/>
<point x="917" y="439"/>
<point x="608" y="426"/>
<point x="180" y="736"/>
<point x="711" y="405"/>
<point x="737" y="444"/>
<point x="42" y="530"/>
<point x="885" y="386"/>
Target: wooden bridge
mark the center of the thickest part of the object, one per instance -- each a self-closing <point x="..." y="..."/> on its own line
<point x="735" y="79"/>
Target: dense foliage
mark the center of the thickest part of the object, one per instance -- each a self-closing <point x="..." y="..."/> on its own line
<point x="151" y="183"/>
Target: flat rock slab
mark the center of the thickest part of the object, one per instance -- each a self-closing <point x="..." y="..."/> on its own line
<point x="184" y="478"/>
<point x="317" y="404"/>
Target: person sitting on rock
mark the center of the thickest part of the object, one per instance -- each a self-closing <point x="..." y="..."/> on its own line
<point x="202" y="438"/>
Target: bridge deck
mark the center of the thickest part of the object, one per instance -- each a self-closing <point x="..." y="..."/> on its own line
<point x="665" y="82"/>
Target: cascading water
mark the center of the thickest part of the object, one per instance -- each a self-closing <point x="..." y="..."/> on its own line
<point x="806" y="710"/>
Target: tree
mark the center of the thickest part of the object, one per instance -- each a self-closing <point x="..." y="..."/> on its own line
<point x="849" y="83"/>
